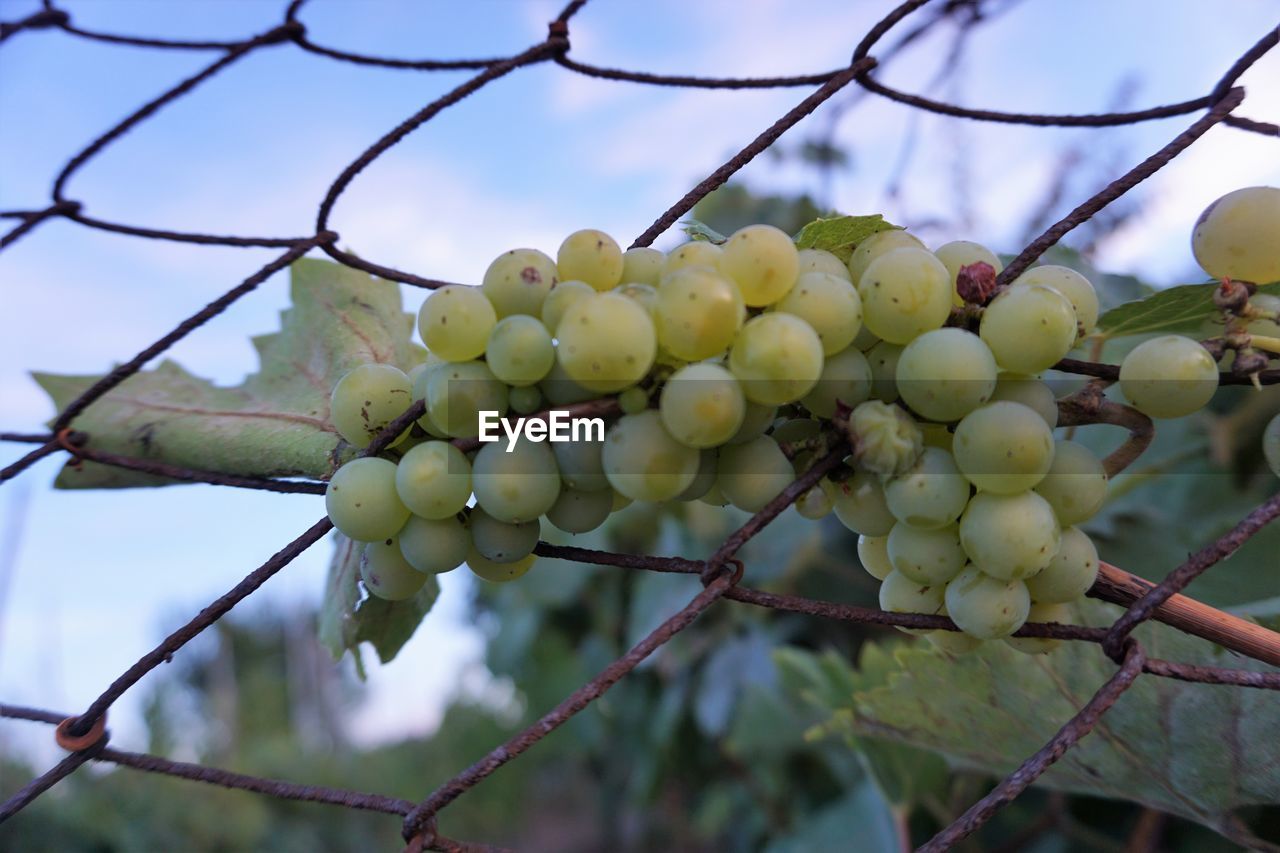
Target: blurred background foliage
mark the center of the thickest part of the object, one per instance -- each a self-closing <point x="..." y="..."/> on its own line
<point x="711" y="745"/>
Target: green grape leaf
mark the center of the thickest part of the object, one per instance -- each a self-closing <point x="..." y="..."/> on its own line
<point x="701" y="231"/>
<point x="840" y="235"/>
<point x="1196" y="750"/>
<point x="346" y="621"/>
<point x="1186" y="308"/>
<point x="276" y="423"/>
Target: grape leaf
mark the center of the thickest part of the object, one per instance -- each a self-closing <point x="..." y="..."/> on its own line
<point x="1186" y="308"/>
<point x="346" y="621"/>
<point x="1196" y="750"/>
<point x="701" y="231"/>
<point x="840" y="235"/>
<point x="275" y="424"/>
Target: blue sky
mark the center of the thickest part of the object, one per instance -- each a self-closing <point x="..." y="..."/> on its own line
<point x="100" y="576"/>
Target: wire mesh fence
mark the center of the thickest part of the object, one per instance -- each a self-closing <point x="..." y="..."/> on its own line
<point x="84" y="735"/>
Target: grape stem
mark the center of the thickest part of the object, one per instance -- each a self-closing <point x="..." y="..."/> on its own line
<point x="1089" y="406"/>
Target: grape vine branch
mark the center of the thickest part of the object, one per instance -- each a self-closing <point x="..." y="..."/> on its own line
<point x="721" y="572"/>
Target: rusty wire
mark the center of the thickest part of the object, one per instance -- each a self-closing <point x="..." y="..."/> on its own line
<point x="721" y="573"/>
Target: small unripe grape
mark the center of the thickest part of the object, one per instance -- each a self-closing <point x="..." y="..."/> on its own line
<point x="931" y="494"/>
<point x="945" y="374"/>
<point x="702" y="405"/>
<point x="1071" y="284"/>
<point x="633" y="400"/>
<point x="880" y="243"/>
<point x="1010" y="536"/>
<point x="1076" y="485"/>
<point x="1271" y="445"/>
<point x="518" y="281"/>
<point x="488" y="570"/>
<point x="987" y="607"/>
<point x="1059" y="613"/>
<point x="562" y="295"/>
<point x="926" y="556"/>
<point x="695" y="253"/>
<point x="435" y="546"/>
<point x="455" y="322"/>
<point x="1003" y="447"/>
<point x="828" y="303"/>
<point x="1070" y="573"/>
<point x="1235" y="237"/>
<point x="873" y="553"/>
<point x="820" y="260"/>
<point x="1029" y="328"/>
<point x="520" y="351"/>
<point x="697" y="313"/>
<point x="434" y="480"/>
<point x="845" y="377"/>
<point x="362" y="501"/>
<point x="525" y="399"/>
<point x="763" y="261"/>
<point x="777" y="357"/>
<point x="860" y="505"/>
<point x="386" y="573"/>
<point x="368" y="398"/>
<point x="591" y="256"/>
<point x="1168" y="377"/>
<point x="1033" y="393"/>
<point x="905" y="293"/>
<point x="642" y="265"/>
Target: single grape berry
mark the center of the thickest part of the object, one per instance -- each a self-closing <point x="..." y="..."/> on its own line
<point x="644" y="462"/>
<point x="1071" y="284"/>
<point x="820" y="260"/>
<point x="1029" y="328"/>
<point x="1039" y="612"/>
<point x="386" y="573"/>
<point x="1271" y="445"/>
<point x="945" y="374"/>
<point x="905" y="293"/>
<point x="931" y="494"/>
<point x="1003" y="448"/>
<point x="591" y="256"/>
<point x="455" y="322"/>
<point x="752" y="474"/>
<point x="1010" y="536"/>
<point x="845" y="378"/>
<point x="1235" y="237"/>
<point x="697" y="312"/>
<point x="702" y="405"/>
<point x="435" y="546"/>
<point x="888" y="441"/>
<point x="366" y="399"/>
<point x="880" y="243"/>
<point x="860" y="505"/>
<point x="518" y="281"/>
<point x="362" y="501"/>
<point x="763" y="261"/>
<point x="873" y="553"/>
<point x="642" y="265"/>
<point x="1070" y="573"/>
<point x="695" y="253"/>
<point x="777" y="357"/>
<point x="830" y="304"/>
<point x="1168" y="377"/>
<point x="987" y="607"/>
<point x="1076" y="485"/>
<point x="606" y="342"/>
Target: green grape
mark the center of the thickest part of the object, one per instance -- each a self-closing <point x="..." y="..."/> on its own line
<point x="1010" y="536"/>
<point x="458" y="393"/>
<point x="828" y="303"/>
<point x="702" y="405"/>
<point x="591" y="256"/>
<point x="777" y="357"/>
<point x="518" y="281"/>
<point x="580" y="512"/>
<point x="905" y="293"/>
<point x="1076" y="485"/>
<point x="962" y="253"/>
<point x="873" y="553"/>
<point x="642" y="265"/>
<point x="845" y="377"/>
<point x="884" y="358"/>
<point x="714" y="497"/>
<point x="1029" y="328"/>
<point x="633" y="400"/>
<point x="860" y="504"/>
<point x="435" y="546"/>
<point x="752" y="474"/>
<point x="520" y="351"/>
<point x="1168" y="377"/>
<point x="455" y="322"/>
<point x="644" y="295"/>
<point x="606" y="342"/>
<point x="1235" y="237"/>
<point x="1030" y="392"/>
<point x="900" y="594"/>
<point x="926" y="556"/>
<point x="1271" y="445"/>
<point x="1059" y="613"/>
<point x="421" y="376"/>
<point x="1070" y="573"/>
<point x="1071" y="284"/>
<point x="362" y="502"/>
<point x="642" y="460"/>
<point x="564" y="294"/>
<point x="518" y="485"/>
<point x="756" y="420"/>
<point x="888" y="440"/>
<point x="486" y="569"/>
<point x="945" y="374"/>
<point x="386" y="573"/>
<point x="1262" y="326"/>
<point x="502" y="542"/>
<point x="820" y="260"/>
<point x="695" y="253"/>
<point x="704" y="480"/>
<point x="763" y="261"/>
<point x="697" y="313"/>
<point x="931" y="494"/>
<point x="814" y="504"/>
<point x="559" y="390"/>
<point x="880" y="243"/>
<point x="1003" y="448"/>
<point x="434" y="480"/>
<point x="366" y="399"/>
<point x="580" y="464"/>
<point x="525" y="400"/>
<point x="987" y="607"/>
